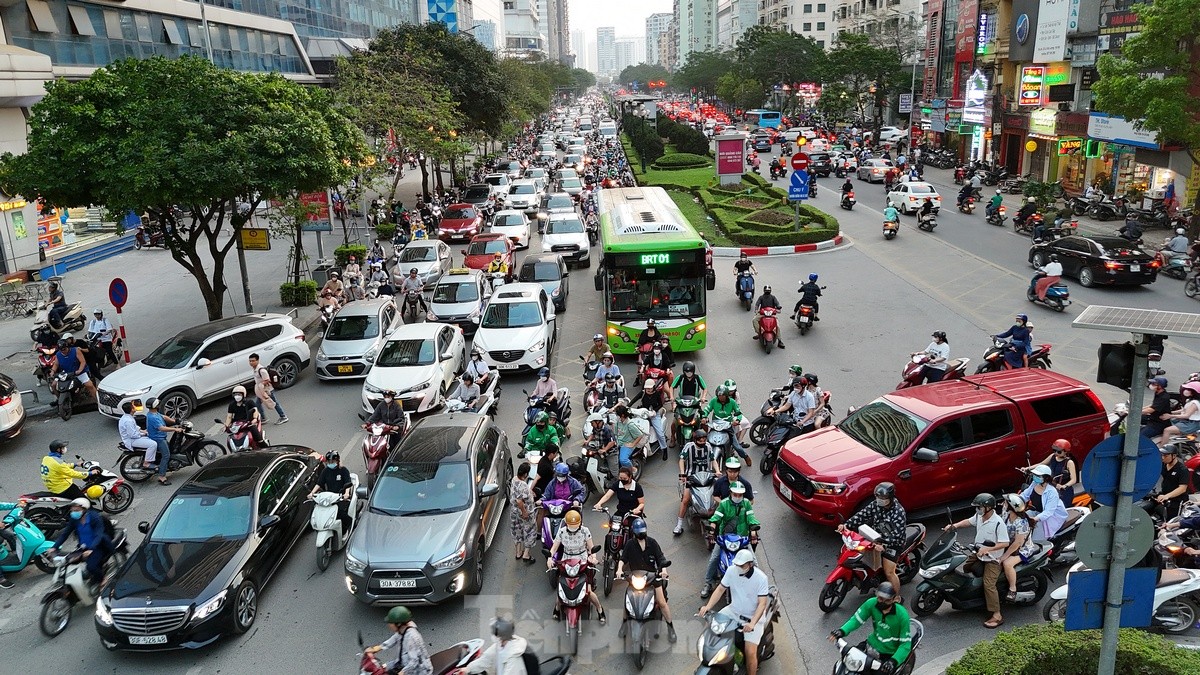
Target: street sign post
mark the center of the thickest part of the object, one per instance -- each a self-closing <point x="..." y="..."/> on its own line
<point x="906" y="101"/>
<point x="1101" y="471"/>
<point x="1086" y="590"/>
<point x="799" y="162"/>
<point x="1093" y="541"/>
<point x="798" y="188"/>
<point x="118" y="295"/>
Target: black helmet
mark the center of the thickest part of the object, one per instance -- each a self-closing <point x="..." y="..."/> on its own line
<point x="812" y="379"/>
<point x="985" y="500"/>
<point x="502" y="628"/>
<point x="940" y="334"/>
<point x="57" y="445"/>
<point x="699" y="433"/>
<point x="885" y="490"/>
<point x="689" y="367"/>
<point x="799" y="382"/>
<point x="1053" y="257"/>
<point x="766" y="289"/>
<point x="333" y="456"/>
<point x="886" y="590"/>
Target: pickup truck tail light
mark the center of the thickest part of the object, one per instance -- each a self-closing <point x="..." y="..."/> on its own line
<point x="1099" y="406"/>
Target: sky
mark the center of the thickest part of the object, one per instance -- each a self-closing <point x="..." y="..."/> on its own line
<point x="627" y="16"/>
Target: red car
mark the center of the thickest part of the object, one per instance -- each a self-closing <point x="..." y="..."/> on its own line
<point x="460" y="222"/>
<point x="484" y="247"/>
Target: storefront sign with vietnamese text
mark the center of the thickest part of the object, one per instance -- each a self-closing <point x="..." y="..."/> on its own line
<point x="1031" y="85"/>
<point x="1069" y="146"/>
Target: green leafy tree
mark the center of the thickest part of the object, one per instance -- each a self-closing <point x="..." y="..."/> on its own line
<point x="153" y="134"/>
<point x="702" y="71"/>
<point x="643" y="73"/>
<point x="582" y="80"/>
<point x="1155" y="81"/>
<point x="740" y="91"/>
<point x="836" y="102"/>
<point x="774" y="57"/>
<point x="869" y="74"/>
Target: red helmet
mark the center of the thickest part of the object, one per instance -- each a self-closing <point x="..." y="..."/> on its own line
<point x="1061" y="444"/>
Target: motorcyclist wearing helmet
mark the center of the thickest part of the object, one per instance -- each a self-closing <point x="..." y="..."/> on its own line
<point x="939" y="353"/>
<point x="242" y="409"/>
<point x="546" y="388"/>
<point x="595" y="354"/>
<point x="642" y="553"/>
<point x="58" y="476"/>
<point x="389" y="411"/>
<point x="612" y="391"/>
<point x="414" y="657"/>
<point x="468" y="392"/>
<point x="57" y="304"/>
<point x="542" y="434"/>
<point x="650" y="336"/>
<point x="1177" y="245"/>
<point x="697" y="455"/>
<point x="1049" y="274"/>
<point x="575" y="540"/>
<point x="333" y="292"/>
<point x="1027" y="209"/>
<point x="72" y="359"/>
<point x="809" y="292"/>
<point x="608" y="367"/>
<point x="991" y="538"/>
<point x="87" y="525"/>
<point x="735" y="514"/>
<point x="1021" y="546"/>
<point x="414" y="284"/>
<point x="505" y="655"/>
<point x="497" y="264"/>
<point x="1021" y="335"/>
<point x="965" y="193"/>
<point x="156" y="430"/>
<point x="767" y="299"/>
<point x="801" y="403"/>
<point x="689" y="383"/>
<point x="336" y="478"/>
<point x="887" y="517"/>
<point x="479" y="369"/>
<point x="1046" y="508"/>
<point x="1064" y="473"/>
<point x="890" y="628"/>
<point x="994" y="204"/>
<point x="723" y="406"/>
<point x="600" y="433"/>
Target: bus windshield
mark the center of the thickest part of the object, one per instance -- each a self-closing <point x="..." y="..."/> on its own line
<point x="651" y="294"/>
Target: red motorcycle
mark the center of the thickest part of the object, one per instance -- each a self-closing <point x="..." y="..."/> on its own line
<point x="645" y="369"/>
<point x="45" y="363"/>
<point x="444" y="662"/>
<point x="960" y="175"/>
<point x="768" y="334"/>
<point x="240" y="438"/>
<point x="854" y="569"/>
<point x="994" y="358"/>
<point x="911" y="375"/>
<point x="377" y="443"/>
<point x="575" y="580"/>
<point x="152" y="237"/>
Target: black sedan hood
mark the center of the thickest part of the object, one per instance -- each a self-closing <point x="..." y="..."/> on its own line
<point x="175" y="570"/>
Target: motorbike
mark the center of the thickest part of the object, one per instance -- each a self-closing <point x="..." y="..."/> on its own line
<point x="487" y="403"/>
<point x="412" y="306"/>
<point x="944" y="580"/>
<point x="537" y="404"/>
<point x="1174" y="265"/>
<point x="768" y="334"/>
<point x="552" y="520"/>
<point x="327" y="311"/>
<point x="143" y="237"/>
<point x="1191" y="287"/>
<point x="967" y="205"/>
<point x="806" y="318"/>
<point x="890" y="229"/>
<point x="72" y="321"/>
<point x="328" y="526"/>
<point x="687" y="419"/>
<point x="784" y="428"/>
<point x="1175" y="609"/>
<point x="761" y="425"/>
<point x="70" y="588"/>
<point x="745" y="289"/>
<point x="45" y="363"/>
<point x="854" y="568"/>
<point x="1058" y="296"/>
<point x="96" y="347"/>
<point x="848" y="200"/>
<point x="641" y="609"/>
<point x="993" y="358"/>
<point x="614" y="543"/>
<point x="960" y="175"/>
<point x="998" y="216"/>
<point x="591" y="469"/>
<point x="240" y="438"/>
<point x="188" y="448"/>
<point x="720" y="646"/>
<point x="32" y="544"/>
<point x="445" y="662"/>
<point x="778" y="171"/>
<point x="926" y="221"/>
<point x="911" y="374"/>
<point x="68" y="391"/>
<point x="573" y="587"/>
<point x="702" y="504"/>
<point x="378" y="443"/>
<point x="852" y="660"/>
<point x="1109" y="209"/>
<point x="50" y="512"/>
<point x="720" y="438"/>
<point x="1027" y="225"/>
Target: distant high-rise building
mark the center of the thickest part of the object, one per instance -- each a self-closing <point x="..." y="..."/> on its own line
<point x="669" y="47"/>
<point x="606" y="51"/>
<point x="554" y="26"/>
<point x="562" y="33"/>
<point x="626" y="53"/>
<point x="522" y="28"/>
<point x="696" y="28"/>
<point x="734" y="17"/>
<point x="579" y="49"/>
<point x="487" y="17"/>
<point x="658" y="28"/>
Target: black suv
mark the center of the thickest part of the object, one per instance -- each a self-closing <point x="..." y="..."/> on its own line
<point x="820" y="163"/>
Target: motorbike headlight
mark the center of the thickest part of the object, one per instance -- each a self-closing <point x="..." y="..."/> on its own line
<point x="720" y="656"/>
<point x="102" y="614"/>
<point x="855" y="661"/>
<point x="354" y="565"/>
<point x="369" y="357"/>
<point x="211" y="607"/>
<point x="931" y="572"/>
<point x="453" y="560"/>
<point x="829" y="488"/>
<point x="638" y="582"/>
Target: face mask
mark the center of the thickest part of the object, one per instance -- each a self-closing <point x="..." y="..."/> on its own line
<point x="641" y="535"/>
<point x="980" y="510"/>
<point x="572" y="530"/>
<point x="1038" y="480"/>
<point x="76" y="515"/>
<point x="748" y="570"/>
<point x="388" y="399"/>
<point x="626" y="482"/>
<point x="238" y="398"/>
<point x="331" y="465"/>
<point x="561" y="479"/>
<point x="882" y="503"/>
<point x="737" y="499"/>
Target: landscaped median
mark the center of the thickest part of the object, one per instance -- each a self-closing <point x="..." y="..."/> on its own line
<point x="750" y="213"/>
<point x="1041" y="649"/>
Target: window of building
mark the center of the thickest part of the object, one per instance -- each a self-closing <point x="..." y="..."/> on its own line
<point x="81" y="23"/>
<point x="112" y="24"/>
<point x="820" y="8"/>
<point x="171" y="32"/>
<point x="807" y="27"/>
<point x="195" y="35"/>
<point x="144" y="34"/>
<point x="820" y="25"/>
<point x="510" y="5"/>
<point x="821" y="44"/>
<point x="40" y="18"/>
<point x="808" y="9"/>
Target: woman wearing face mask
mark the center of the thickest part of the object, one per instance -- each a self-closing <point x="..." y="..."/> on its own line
<point x="1045" y="506"/>
<point x="631" y="498"/>
<point x="887" y="517"/>
<point x="336" y="478"/>
<point x="241" y="410"/>
<point x="546" y="388"/>
<point x="575" y="540"/>
<point x="1020" y="542"/>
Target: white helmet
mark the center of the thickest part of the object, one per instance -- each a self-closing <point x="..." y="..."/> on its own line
<point x="595" y="417"/>
<point x="1015" y="503"/>
<point x="1031" y="200"/>
<point x="1041" y="470"/>
<point x="1180" y="231"/>
<point x="82" y="502"/>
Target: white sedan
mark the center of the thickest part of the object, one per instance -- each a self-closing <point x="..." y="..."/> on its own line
<point x="513" y="224"/>
<point x="908" y="197"/>
<point x="419" y="362"/>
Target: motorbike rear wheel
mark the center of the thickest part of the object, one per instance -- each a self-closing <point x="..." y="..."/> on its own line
<point x="832" y="595"/>
<point x="804" y="328"/>
<point x="759" y="429"/>
<point x="1055" y="610"/>
<point x="132" y="470"/>
<point x="208" y="451"/>
<point x="1191" y="289"/>
<point x="1182" y="610"/>
<point x="117" y="501"/>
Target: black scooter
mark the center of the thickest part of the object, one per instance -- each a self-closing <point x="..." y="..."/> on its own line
<point x="641" y="609"/>
<point x="720" y="647"/>
<point x="965" y="590"/>
<point x="188" y="448"/>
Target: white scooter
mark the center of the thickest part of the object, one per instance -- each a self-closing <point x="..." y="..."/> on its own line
<point x="1175" y="611"/>
<point x="70" y="588"/>
<point x="328" y="526"/>
<point x="489" y="399"/>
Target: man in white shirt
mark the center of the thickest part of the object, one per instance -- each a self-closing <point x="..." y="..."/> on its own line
<point x="134" y="437"/>
<point x="1053" y="271"/>
<point x="104" y="331"/>
<point x="506" y="654"/>
<point x="749" y="596"/>
<point x="991" y="539"/>
<point x="939" y="352"/>
<point x="467" y="392"/>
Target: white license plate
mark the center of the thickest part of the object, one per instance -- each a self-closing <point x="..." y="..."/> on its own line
<point x="506" y="366"/>
<point x="397" y="583"/>
<point x="1135" y="268"/>
<point x="804" y="319"/>
<point x="785" y="491"/>
<point x="147" y="639"/>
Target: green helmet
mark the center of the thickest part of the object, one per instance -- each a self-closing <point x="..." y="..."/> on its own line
<point x="542" y="418"/>
<point x="722" y="390"/>
<point x="399" y="615"/>
<point x="796" y="370"/>
<point x="730" y="385"/>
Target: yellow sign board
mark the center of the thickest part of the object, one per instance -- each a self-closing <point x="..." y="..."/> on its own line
<point x="14" y="204"/>
<point x="1031" y="146"/>
<point x="256" y="239"/>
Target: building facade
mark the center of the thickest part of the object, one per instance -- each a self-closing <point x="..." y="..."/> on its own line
<point x="733" y="18"/>
<point x="606" y="51"/>
<point x="523" y="35"/>
<point x="658" y="30"/>
<point x="626" y="54"/>
<point x="487" y="22"/>
<point x="696" y="27"/>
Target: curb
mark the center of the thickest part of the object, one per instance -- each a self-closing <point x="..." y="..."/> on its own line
<point x="938" y="665"/>
<point x="734" y="252"/>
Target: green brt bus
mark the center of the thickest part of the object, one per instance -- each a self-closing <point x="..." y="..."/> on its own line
<point x="653" y="266"/>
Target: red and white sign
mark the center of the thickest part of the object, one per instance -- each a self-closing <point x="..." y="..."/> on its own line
<point x="730" y="156"/>
<point x="800" y="162"/>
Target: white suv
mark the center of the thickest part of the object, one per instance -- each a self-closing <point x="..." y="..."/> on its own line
<point x="206" y="362"/>
<point x="566" y="235"/>
<point x="517" y="329"/>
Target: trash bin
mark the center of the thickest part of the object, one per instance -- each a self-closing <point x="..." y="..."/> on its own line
<point x="320" y="274"/>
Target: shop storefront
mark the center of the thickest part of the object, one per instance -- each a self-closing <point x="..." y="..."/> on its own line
<point x="1071" y="130"/>
<point x="1119" y="171"/>
<point x="1012" y="142"/>
<point x="1041" y="150"/>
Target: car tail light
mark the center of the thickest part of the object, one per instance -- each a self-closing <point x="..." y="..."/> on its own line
<point x="1155" y="264"/>
<point x="6" y="399"/>
<point x="1112" y="265"/>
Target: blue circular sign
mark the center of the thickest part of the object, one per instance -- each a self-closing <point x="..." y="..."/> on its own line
<point x="1022" y="29"/>
<point x="118" y="293"/>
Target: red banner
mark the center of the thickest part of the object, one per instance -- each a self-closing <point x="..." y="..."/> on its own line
<point x="729" y="156"/>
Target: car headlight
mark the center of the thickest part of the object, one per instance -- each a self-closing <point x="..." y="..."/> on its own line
<point x="211" y="607"/>
<point x="369" y="356"/>
<point x="321" y="353"/>
<point x="372" y="389"/>
<point x="102" y="614"/>
<point x="354" y="565"/>
<point x="829" y="488"/>
<point x="557" y="292"/>
<point x="137" y="392"/>
<point x="453" y="560"/>
<point x="537" y="346"/>
<point x="415" y="388"/>
<point x="430" y="316"/>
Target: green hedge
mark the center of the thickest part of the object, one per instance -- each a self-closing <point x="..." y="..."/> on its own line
<point x="385" y="230"/>
<point x="681" y="160"/>
<point x="1041" y="649"/>
<point x="298" y="295"/>
<point x="682" y="136"/>
<point x="342" y="253"/>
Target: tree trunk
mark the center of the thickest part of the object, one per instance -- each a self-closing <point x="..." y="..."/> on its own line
<point x="424" y="178"/>
<point x="437" y="172"/>
<point x="241" y="256"/>
<point x="395" y="184"/>
<point x="453" y="175"/>
<point x="297" y="253"/>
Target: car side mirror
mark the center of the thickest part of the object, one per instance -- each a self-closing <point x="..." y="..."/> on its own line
<point x="268" y="521"/>
<point x="144" y="527"/>
<point x="925" y="455"/>
<point x="489" y="490"/>
<point x="566" y="273"/>
<point x="361" y="492"/>
<point x="463" y="251"/>
<point x="447" y="355"/>
<point x="203" y="363"/>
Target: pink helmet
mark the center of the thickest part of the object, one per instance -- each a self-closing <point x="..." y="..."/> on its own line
<point x="1194" y="386"/>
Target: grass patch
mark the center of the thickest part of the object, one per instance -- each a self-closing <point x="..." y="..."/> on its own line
<point x="699" y="218"/>
<point x="771" y="217"/>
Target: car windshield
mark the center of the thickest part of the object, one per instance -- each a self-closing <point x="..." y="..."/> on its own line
<point x="417" y="254"/>
<point x="174" y="353"/>
<point x="569" y="183"/>
<point x="403" y="353"/>
<point x="353" y="328"/>
<point x="420" y="488"/>
<point x="565" y="226"/>
<point x="496" y="180"/>
<point x="523" y="189"/>
<point x="459" y="214"/>
<point x="541" y="271"/>
<point x="509" y="220"/>
<point x="477" y="193"/>
<point x="203" y="517"/>
<point x="487" y="246"/>
<point x="883" y="427"/>
<point x="560" y="202"/>
<point x="511" y="315"/>
<point x="458" y="291"/>
<point x="571" y="159"/>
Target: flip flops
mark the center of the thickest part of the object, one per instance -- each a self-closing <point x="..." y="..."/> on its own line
<point x="993" y="624"/>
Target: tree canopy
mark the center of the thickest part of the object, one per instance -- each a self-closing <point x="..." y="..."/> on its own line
<point x="643" y="73"/>
<point x="703" y="71"/>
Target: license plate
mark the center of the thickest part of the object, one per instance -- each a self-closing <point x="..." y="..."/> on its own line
<point x="147" y="639"/>
<point x="345" y="369"/>
<point x="506" y="366"/>
<point x="785" y="491"/>
<point x="804" y="319"/>
<point x="1135" y="268"/>
<point x="397" y="583"/>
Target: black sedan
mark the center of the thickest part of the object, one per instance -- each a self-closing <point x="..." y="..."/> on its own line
<point x="820" y="163"/>
<point x="198" y="573"/>
<point x="761" y="143"/>
<point x="550" y="271"/>
<point x="1098" y="260"/>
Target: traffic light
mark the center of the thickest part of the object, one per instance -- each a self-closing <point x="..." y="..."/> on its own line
<point x="1116" y="364"/>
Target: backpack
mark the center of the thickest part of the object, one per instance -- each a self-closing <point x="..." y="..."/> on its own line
<point x="532" y="667"/>
<point x="272" y="375"/>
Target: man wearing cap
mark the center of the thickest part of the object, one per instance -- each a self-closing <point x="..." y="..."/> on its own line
<point x="414" y="657"/>
<point x="1160" y="404"/>
<point x="890" y="628"/>
<point x="506" y="654"/>
<point x="1173" y="486"/>
<point x="939" y="353"/>
<point x="749" y="595"/>
<point x="733" y="474"/>
<point x="735" y="515"/>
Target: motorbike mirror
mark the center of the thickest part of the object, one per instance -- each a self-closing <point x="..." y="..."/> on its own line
<point x="268" y="521"/>
<point x="203" y="363"/>
<point x="489" y="490"/>
<point x="665" y="564"/>
<point x="925" y="455"/>
<point x="144" y="527"/>
<point x="596" y="548"/>
<point x="361" y="492"/>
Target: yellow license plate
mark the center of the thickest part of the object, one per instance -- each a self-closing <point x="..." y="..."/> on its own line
<point x="345" y="369"/>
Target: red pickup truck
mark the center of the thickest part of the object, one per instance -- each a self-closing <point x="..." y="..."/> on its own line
<point x="941" y="444"/>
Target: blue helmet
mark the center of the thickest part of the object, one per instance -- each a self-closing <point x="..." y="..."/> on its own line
<point x="638" y="526"/>
<point x="1023" y="318"/>
<point x="561" y="469"/>
<point x="544" y="372"/>
<point x="812" y="277"/>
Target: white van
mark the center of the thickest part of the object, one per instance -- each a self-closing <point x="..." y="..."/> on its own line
<point x="608" y="130"/>
<point x="585" y="125"/>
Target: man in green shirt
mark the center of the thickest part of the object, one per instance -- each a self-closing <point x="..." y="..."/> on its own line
<point x="628" y="435"/>
<point x="724" y="407"/>
<point x="733" y="515"/>
<point x="890" y="628"/>
<point x="541" y="434"/>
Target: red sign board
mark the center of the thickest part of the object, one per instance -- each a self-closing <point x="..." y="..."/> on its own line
<point x="799" y="162"/>
<point x="729" y="156"/>
<point x="118" y="293"/>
